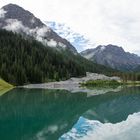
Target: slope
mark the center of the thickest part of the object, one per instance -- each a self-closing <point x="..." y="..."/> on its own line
<point x="29" y="61"/>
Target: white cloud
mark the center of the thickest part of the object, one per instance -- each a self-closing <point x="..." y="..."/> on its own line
<point x="62" y="45"/>
<point x="66" y="32"/>
<point x="52" y="43"/>
<point x="39" y="33"/>
<point x="42" y="31"/>
<point x="14" y="25"/>
<point x="2" y="13"/>
<point x="102" y="21"/>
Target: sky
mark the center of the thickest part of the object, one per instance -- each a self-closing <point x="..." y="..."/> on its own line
<point x="103" y="22"/>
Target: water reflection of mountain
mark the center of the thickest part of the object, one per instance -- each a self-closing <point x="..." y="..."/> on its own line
<point x="33" y="114"/>
<point x="114" y="107"/>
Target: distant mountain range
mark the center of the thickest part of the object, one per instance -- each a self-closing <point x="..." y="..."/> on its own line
<point x="15" y="18"/>
<point x="110" y="55"/>
<point x="113" y="56"/>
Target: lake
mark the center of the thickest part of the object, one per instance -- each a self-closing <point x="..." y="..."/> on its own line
<point x="39" y="114"/>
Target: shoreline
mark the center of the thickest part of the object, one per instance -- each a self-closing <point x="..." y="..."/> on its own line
<point x="72" y="84"/>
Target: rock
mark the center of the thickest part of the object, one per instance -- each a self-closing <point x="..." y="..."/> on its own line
<point x="72" y="84"/>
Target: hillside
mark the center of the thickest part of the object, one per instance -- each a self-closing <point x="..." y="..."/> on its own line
<point x="29" y="61"/>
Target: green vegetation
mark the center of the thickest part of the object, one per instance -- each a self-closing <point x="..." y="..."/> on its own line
<point x="4" y="84"/>
<point x="128" y="76"/>
<point x="4" y="87"/>
<point x="28" y="61"/>
<point x="101" y="83"/>
<point x="106" y="83"/>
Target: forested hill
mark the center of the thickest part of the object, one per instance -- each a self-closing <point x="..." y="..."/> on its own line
<point x="28" y="61"/>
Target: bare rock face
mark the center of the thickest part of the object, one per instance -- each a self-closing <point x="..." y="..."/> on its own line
<point x="15" y="18"/>
<point x="113" y="56"/>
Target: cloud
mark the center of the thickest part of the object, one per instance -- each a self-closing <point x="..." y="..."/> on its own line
<point x="77" y="40"/>
<point x="101" y="21"/>
<point x="62" y="45"/>
<point x="2" y="13"/>
<point x="15" y="25"/>
<point x="41" y="135"/>
<point x="38" y="33"/>
<point x="52" y="43"/>
<point x="42" y="31"/>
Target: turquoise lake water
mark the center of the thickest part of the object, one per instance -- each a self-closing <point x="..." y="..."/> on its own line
<point x="39" y="114"/>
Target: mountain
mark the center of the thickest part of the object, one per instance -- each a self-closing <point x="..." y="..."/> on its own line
<point x="29" y="61"/>
<point x="15" y="18"/>
<point x="137" y="69"/>
<point x="113" y="56"/>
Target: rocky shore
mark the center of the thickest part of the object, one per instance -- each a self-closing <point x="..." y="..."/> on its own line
<point x="72" y="84"/>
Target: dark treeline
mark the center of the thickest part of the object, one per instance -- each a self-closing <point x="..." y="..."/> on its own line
<point x="128" y="76"/>
<point x="28" y="61"/>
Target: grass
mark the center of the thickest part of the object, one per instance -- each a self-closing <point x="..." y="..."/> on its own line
<point x="131" y="83"/>
<point x="101" y="83"/>
<point x="5" y="85"/>
<point x="108" y="83"/>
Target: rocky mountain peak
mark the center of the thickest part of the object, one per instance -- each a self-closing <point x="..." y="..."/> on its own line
<point x="14" y="11"/>
<point x="15" y="18"/>
<point x="110" y="47"/>
<point x="112" y="56"/>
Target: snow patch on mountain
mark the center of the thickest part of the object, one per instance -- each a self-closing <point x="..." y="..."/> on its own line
<point x="32" y="20"/>
<point x="103" y="48"/>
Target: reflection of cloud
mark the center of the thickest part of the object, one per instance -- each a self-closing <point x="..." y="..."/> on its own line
<point x="2" y="13"/>
<point x="52" y="129"/>
<point x="86" y="129"/>
<point x="98" y="91"/>
<point x="43" y="133"/>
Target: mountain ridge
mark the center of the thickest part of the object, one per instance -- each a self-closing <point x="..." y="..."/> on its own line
<point x="19" y="20"/>
<point x="112" y="56"/>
